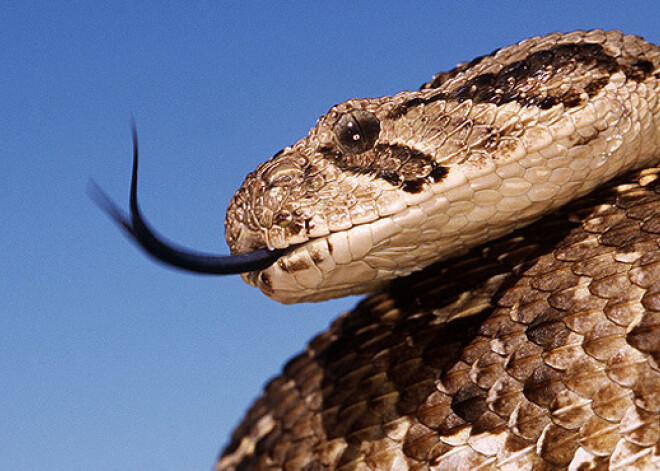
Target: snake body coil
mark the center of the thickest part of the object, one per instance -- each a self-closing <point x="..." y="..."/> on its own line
<point x="539" y="350"/>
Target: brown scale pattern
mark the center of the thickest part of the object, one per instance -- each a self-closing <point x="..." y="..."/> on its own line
<point x="549" y="358"/>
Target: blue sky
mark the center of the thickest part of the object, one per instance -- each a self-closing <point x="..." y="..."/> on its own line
<point x="109" y="361"/>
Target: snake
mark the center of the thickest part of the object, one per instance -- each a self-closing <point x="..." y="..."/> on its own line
<point x="504" y="220"/>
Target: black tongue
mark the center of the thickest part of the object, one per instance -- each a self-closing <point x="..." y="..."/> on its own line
<point x="157" y="247"/>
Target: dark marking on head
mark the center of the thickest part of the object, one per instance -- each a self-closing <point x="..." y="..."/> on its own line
<point x="413" y="186"/>
<point x="438" y="173"/>
<point x="316" y="257"/>
<point x="399" y="165"/>
<point x="593" y="87"/>
<point x="571" y="100"/>
<point x="526" y="81"/>
<point x="327" y="149"/>
<point x="308" y="170"/>
<point x="282" y="218"/>
<point x="296" y="265"/>
<point x="295" y="228"/>
<point x="390" y="177"/>
<point x="443" y="77"/>
<point x="641" y="69"/>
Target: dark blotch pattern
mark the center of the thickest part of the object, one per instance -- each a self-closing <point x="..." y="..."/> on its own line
<point x="525" y="81"/>
<point x="443" y="77"/>
<point x="398" y="165"/>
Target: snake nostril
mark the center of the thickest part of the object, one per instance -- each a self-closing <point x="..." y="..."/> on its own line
<point x="283" y="218"/>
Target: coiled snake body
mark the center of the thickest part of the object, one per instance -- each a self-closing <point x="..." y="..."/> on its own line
<point x="537" y="351"/>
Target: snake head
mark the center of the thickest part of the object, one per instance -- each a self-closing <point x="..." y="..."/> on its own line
<point x="383" y="187"/>
<point x="330" y="199"/>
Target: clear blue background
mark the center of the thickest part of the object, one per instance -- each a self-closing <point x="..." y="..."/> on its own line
<point x="107" y="360"/>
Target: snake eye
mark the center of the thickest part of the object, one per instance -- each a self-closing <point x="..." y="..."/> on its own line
<point x="357" y="132"/>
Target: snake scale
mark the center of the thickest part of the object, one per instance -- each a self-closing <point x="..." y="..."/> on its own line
<point x="507" y="215"/>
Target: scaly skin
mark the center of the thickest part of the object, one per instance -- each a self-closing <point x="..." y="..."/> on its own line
<point x="499" y="143"/>
<point x="538" y="350"/>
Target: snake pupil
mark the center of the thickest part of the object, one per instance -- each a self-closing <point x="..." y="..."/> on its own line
<point x="357" y="132"/>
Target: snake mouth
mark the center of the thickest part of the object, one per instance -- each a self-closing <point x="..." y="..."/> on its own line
<point x="138" y="230"/>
